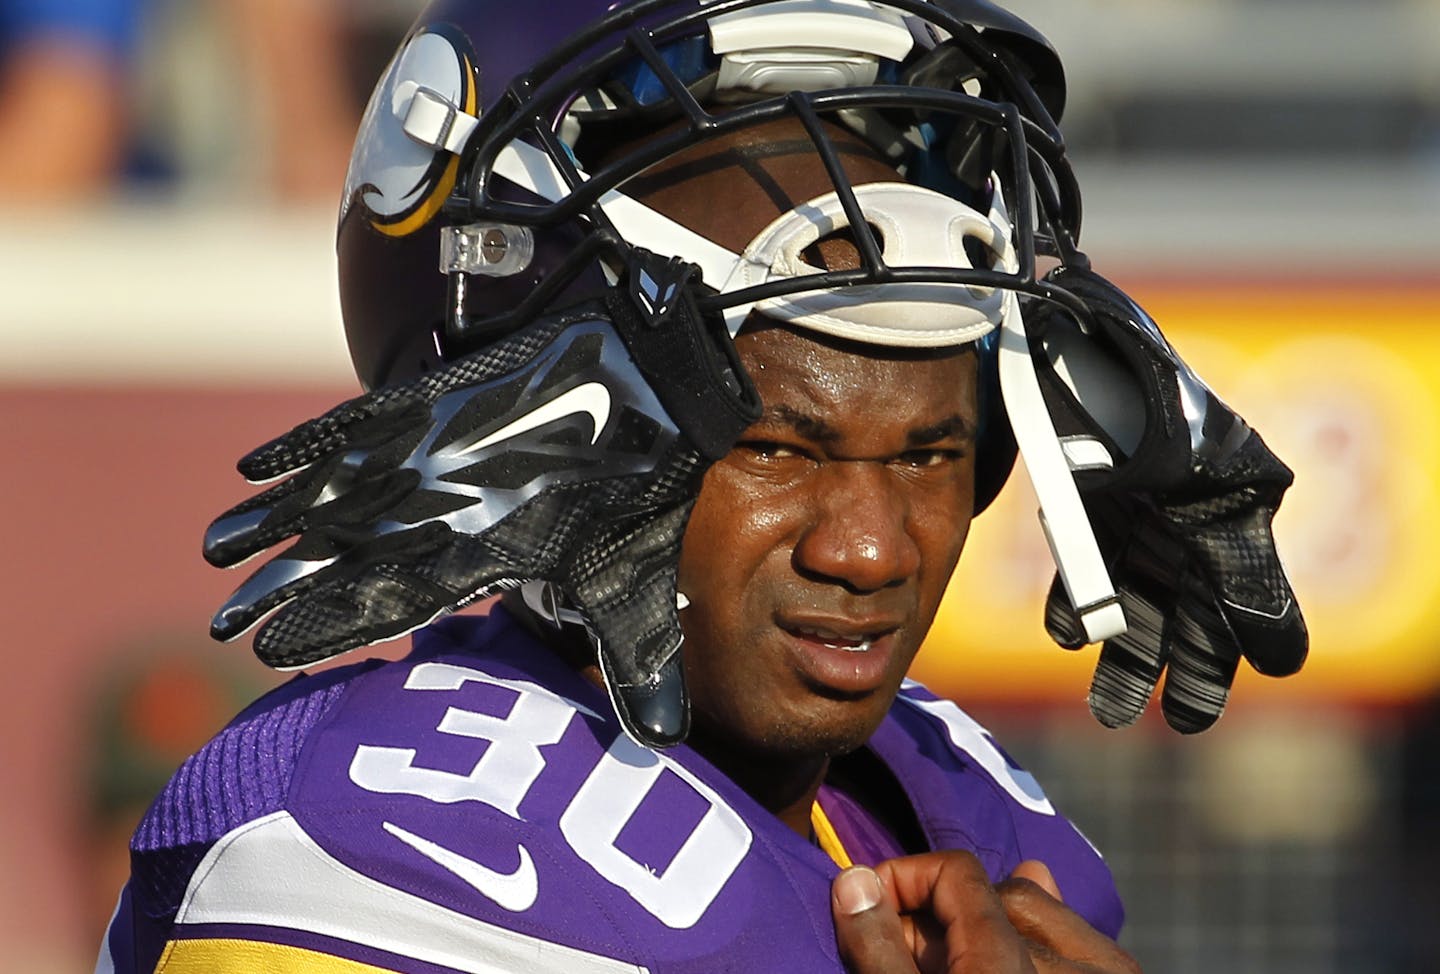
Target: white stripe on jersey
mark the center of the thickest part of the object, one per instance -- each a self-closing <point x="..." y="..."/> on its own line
<point x="270" y="873"/>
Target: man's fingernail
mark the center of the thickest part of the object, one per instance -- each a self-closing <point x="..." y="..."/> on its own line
<point x="857" y="889"/>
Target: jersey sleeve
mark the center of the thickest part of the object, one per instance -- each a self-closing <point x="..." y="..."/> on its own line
<point x="226" y="877"/>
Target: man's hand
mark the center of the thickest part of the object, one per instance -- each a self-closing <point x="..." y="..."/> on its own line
<point x="1057" y="937"/>
<point x="937" y="913"/>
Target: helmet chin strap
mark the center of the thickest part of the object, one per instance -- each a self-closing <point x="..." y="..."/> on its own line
<point x="1062" y="515"/>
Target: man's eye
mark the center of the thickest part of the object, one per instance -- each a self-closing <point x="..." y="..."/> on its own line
<point x="768" y="449"/>
<point x="928" y="458"/>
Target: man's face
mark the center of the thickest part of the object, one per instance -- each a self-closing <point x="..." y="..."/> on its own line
<point x="820" y="547"/>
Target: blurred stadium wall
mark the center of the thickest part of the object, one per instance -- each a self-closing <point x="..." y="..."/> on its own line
<point x="1263" y="176"/>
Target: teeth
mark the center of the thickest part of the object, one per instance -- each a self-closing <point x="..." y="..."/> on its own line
<point x="835" y="641"/>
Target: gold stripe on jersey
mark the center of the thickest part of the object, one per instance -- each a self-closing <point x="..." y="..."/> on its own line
<point x="825" y="836"/>
<point x="247" y="956"/>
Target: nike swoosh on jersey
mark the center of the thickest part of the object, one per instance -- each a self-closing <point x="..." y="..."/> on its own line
<point x="591" y="397"/>
<point x="514" y="891"/>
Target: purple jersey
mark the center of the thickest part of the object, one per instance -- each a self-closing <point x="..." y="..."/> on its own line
<point x="476" y="807"/>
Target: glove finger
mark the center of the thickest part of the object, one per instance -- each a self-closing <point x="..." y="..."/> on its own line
<point x="357" y="424"/>
<point x="273" y="584"/>
<point x="303" y="445"/>
<point x="397" y="583"/>
<point x="1238" y="557"/>
<point x="1061" y="620"/>
<point x="1204" y="655"/>
<point x="383" y="602"/>
<point x="319" y="558"/>
<point x="1149" y="577"/>
<point x="1130" y="664"/>
<point x="335" y="496"/>
<point x="249" y="527"/>
<point x="624" y="580"/>
<point x="1274" y="645"/>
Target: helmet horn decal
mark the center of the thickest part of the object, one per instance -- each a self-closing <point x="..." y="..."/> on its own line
<point x="398" y="180"/>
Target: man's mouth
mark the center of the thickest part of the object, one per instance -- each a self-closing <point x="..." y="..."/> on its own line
<point x="845" y="656"/>
<point x="831" y="639"/>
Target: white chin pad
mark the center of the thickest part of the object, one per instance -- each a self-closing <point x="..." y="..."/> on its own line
<point x="916" y="227"/>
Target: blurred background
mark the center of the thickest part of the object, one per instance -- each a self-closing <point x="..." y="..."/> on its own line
<point x="1263" y="175"/>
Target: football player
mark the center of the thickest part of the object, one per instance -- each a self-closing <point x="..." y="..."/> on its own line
<point x="701" y="331"/>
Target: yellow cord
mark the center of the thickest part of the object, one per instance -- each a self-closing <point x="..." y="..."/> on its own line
<point x="826" y="837"/>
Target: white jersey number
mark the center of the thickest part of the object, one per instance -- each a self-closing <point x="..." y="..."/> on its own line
<point x="606" y="801"/>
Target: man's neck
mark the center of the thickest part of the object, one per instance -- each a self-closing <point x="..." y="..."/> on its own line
<point x="784" y="786"/>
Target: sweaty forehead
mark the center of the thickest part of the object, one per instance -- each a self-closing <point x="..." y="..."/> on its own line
<point x="805" y="378"/>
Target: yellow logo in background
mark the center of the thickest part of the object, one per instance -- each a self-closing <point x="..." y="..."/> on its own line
<point x="1344" y="385"/>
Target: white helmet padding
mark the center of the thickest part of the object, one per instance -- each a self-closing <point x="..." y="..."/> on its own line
<point x="916" y="227"/>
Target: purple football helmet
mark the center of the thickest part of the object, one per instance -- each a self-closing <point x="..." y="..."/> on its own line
<point x="501" y="228"/>
<point x="483" y="187"/>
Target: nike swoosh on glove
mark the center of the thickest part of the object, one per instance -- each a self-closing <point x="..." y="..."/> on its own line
<point x="569" y="451"/>
<point x="1181" y="493"/>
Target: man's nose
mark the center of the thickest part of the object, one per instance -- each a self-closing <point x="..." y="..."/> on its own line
<point x="857" y="532"/>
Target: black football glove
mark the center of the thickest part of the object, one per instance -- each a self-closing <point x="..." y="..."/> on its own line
<point x="1181" y="493"/>
<point x="570" y="451"/>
